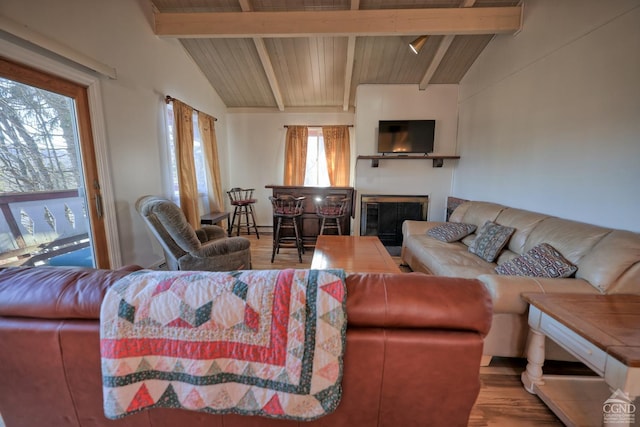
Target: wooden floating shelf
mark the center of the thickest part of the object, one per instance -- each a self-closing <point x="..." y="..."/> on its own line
<point x="438" y="160"/>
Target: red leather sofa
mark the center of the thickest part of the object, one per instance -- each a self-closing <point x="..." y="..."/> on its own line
<point x="412" y="357"/>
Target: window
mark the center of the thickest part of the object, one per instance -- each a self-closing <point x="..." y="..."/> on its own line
<point x="198" y="157"/>
<point x="316" y="173"/>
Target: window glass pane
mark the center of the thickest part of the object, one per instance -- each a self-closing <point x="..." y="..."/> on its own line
<point x="316" y="168"/>
<point x="43" y="213"/>
<point x="311" y="172"/>
<point x="323" y="173"/>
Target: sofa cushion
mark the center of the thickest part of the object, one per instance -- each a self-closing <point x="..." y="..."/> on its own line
<point x="572" y="239"/>
<point x="476" y="213"/>
<point x="540" y="261"/>
<point x="506" y="291"/>
<point x="490" y="240"/>
<point x="444" y="259"/>
<point x="524" y="222"/>
<point x="451" y="231"/>
<point x="613" y="264"/>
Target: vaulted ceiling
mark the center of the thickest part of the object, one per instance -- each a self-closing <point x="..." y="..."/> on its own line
<point x="289" y="54"/>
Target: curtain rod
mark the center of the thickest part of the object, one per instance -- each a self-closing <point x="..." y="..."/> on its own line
<point x="318" y="126"/>
<point x="169" y="99"/>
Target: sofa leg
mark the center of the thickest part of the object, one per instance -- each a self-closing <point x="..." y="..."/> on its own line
<point x="485" y="360"/>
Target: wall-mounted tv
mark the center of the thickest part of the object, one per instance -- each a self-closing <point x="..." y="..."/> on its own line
<point x="406" y="136"/>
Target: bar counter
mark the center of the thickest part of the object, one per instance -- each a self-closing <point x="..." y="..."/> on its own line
<point x="310" y="221"/>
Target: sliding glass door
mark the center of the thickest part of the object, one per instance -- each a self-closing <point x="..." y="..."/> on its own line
<point x="50" y="201"/>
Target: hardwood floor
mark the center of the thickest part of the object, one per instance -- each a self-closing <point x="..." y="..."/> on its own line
<point x="502" y="400"/>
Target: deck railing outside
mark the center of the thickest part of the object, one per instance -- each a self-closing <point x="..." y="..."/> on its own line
<point x="35" y="227"/>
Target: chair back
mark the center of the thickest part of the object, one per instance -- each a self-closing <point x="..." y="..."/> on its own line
<point x="239" y="196"/>
<point x="332" y="206"/>
<point x="287" y="205"/>
<point x="169" y="225"/>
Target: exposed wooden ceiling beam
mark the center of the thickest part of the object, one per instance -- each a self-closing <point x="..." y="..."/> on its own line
<point x="348" y="71"/>
<point x="442" y="50"/>
<point x="265" y="59"/>
<point x="268" y="69"/>
<point x="435" y="63"/>
<point x="375" y="22"/>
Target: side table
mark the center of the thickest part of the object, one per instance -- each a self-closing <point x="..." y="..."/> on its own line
<point x="603" y="332"/>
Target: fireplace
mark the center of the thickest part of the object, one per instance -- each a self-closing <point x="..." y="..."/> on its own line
<point x="382" y="215"/>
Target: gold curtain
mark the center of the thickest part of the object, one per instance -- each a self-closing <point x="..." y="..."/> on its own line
<point x="295" y="155"/>
<point x="206" y="124"/>
<point x="338" y="153"/>
<point x="183" y="115"/>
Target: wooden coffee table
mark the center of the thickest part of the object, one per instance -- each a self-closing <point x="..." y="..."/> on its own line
<point x="354" y="254"/>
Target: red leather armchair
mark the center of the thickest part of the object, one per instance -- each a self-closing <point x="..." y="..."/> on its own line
<point x="412" y="357"/>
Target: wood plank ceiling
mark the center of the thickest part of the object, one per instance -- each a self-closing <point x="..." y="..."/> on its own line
<point x="292" y="54"/>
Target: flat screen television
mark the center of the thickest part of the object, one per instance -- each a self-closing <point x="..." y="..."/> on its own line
<point x="406" y="136"/>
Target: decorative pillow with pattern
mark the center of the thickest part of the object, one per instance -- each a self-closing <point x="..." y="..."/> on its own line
<point x="490" y="240"/>
<point x="451" y="231"/>
<point x="541" y="261"/>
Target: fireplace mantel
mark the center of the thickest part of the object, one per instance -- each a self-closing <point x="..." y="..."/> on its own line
<point x="438" y="160"/>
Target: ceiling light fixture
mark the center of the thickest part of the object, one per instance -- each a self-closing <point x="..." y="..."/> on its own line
<point x="417" y="44"/>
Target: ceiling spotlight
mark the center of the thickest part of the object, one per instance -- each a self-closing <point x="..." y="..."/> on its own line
<point x="417" y="44"/>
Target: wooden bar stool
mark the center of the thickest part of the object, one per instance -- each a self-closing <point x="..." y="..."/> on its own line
<point x="331" y="209"/>
<point x="287" y="211"/>
<point x="242" y="201"/>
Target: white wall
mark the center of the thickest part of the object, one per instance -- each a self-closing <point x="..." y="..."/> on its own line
<point x="550" y="117"/>
<point x="119" y="33"/>
<point x="407" y="177"/>
<point x="256" y="150"/>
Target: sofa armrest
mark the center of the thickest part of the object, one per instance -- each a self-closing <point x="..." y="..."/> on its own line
<point x="209" y="233"/>
<point x="222" y="247"/>
<point x="506" y="291"/>
<point x="214" y="232"/>
<point x="48" y="292"/>
<point x="417" y="301"/>
<point x="410" y="227"/>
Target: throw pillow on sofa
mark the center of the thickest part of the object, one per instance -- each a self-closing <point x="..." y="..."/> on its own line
<point x="541" y="261"/>
<point x="490" y="240"/>
<point x="451" y="231"/>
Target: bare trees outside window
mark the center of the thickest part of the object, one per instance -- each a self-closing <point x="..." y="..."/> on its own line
<point x="37" y="140"/>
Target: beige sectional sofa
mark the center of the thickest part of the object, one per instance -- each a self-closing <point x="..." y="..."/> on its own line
<point x="608" y="262"/>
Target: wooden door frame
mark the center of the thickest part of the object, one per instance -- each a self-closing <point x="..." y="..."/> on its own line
<point x="84" y="88"/>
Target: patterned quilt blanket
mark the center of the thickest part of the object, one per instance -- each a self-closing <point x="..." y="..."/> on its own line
<point x="261" y="342"/>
